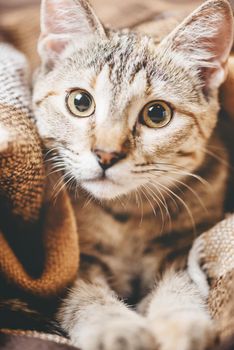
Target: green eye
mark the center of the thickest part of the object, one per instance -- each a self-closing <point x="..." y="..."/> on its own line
<point x="80" y="103"/>
<point x="156" y="114"/>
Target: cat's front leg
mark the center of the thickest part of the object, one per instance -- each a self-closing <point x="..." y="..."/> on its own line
<point x="96" y="319"/>
<point x="177" y="314"/>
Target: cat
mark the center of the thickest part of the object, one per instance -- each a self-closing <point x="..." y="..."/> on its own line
<point x="132" y="122"/>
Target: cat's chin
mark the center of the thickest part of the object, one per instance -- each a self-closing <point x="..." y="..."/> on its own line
<point x="105" y="189"/>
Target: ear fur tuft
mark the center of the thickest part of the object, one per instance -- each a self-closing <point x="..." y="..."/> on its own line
<point x="204" y="41"/>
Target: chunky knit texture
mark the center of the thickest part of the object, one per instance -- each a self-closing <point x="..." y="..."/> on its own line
<point x="215" y="256"/>
<point x="22" y="183"/>
<point x="21" y="161"/>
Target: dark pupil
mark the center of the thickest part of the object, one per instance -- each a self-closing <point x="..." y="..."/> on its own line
<point x="82" y="102"/>
<point x="157" y="113"/>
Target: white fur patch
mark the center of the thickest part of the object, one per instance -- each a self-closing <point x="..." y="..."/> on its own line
<point x="194" y="268"/>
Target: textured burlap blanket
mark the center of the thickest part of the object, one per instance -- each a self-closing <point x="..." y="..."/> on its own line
<point x="39" y="250"/>
<point x="38" y="237"/>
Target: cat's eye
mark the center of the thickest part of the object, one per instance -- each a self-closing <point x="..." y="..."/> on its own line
<point x="80" y="103"/>
<point x="156" y="114"/>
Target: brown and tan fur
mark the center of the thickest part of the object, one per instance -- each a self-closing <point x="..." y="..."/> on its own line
<point x="137" y="223"/>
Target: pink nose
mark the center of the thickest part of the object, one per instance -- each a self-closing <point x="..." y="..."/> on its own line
<point x="108" y="159"/>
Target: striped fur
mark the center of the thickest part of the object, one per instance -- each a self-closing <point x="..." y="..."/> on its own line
<point x="137" y="225"/>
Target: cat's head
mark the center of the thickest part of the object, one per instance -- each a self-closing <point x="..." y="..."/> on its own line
<point x="122" y="112"/>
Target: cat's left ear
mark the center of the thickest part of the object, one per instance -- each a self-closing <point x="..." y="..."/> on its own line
<point x="203" y="42"/>
<point x="63" y="21"/>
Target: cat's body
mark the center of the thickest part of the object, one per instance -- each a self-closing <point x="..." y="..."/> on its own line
<point x="152" y="181"/>
<point x="132" y="248"/>
<point x="134" y="245"/>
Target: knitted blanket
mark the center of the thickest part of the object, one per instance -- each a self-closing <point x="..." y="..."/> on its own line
<point x="22" y="184"/>
<point x="39" y="250"/>
<point x="212" y="259"/>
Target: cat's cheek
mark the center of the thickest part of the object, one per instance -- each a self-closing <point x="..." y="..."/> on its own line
<point x="159" y="143"/>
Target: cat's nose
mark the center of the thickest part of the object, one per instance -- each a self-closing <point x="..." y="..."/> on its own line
<point x="108" y="159"/>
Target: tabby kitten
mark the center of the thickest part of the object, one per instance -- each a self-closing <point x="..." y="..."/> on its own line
<point x="132" y="121"/>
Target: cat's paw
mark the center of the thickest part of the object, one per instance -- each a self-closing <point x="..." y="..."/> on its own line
<point x="184" y="333"/>
<point x="121" y="335"/>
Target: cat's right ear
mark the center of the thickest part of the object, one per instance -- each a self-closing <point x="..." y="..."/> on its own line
<point x="63" y="21"/>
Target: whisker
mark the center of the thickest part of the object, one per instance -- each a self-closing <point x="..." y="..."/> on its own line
<point x="137" y="199"/>
<point x="64" y="184"/>
<point x="51" y="150"/>
<point x="147" y="198"/>
<point x="184" y="204"/>
<point x="88" y="200"/>
<point x="215" y="156"/>
<point x="168" y="194"/>
<point x="156" y="199"/>
<point x="142" y="212"/>
<point x="60" y="180"/>
<point x="55" y="171"/>
<point x="176" y="170"/>
<point x="164" y="203"/>
<point x="191" y="190"/>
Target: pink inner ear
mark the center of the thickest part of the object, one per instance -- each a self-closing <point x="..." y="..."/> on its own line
<point x="208" y="76"/>
<point x="61" y="20"/>
<point x="56" y="46"/>
<point x="222" y="41"/>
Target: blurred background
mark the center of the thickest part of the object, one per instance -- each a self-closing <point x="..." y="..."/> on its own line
<point x="19" y="19"/>
<point x="116" y="10"/>
<point x="13" y="4"/>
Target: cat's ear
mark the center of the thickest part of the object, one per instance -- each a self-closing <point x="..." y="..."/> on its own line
<point x="63" y="21"/>
<point x="203" y="42"/>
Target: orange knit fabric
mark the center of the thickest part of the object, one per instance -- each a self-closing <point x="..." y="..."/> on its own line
<point x="22" y="186"/>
